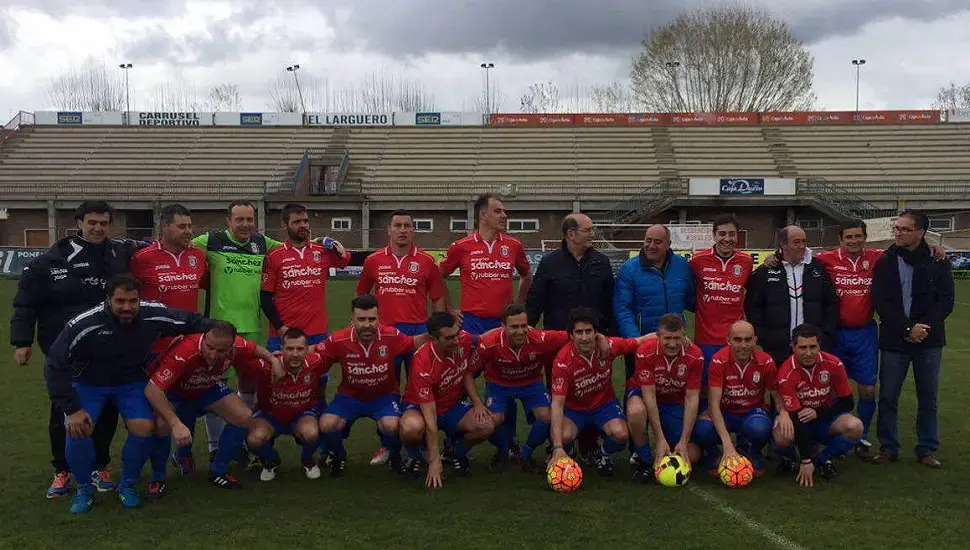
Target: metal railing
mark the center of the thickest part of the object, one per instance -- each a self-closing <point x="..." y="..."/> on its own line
<point x="646" y="200"/>
<point x="300" y="170"/>
<point x="838" y="198"/>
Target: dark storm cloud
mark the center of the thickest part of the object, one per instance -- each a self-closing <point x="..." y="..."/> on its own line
<point x="531" y="28"/>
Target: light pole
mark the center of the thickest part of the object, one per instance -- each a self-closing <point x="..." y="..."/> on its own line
<point x="488" y="88"/>
<point x="125" y="67"/>
<point x="858" y="66"/>
<point x="673" y="66"/>
<point x="293" y="69"/>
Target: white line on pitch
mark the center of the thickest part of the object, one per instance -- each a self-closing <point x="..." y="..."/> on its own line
<point x="776" y="539"/>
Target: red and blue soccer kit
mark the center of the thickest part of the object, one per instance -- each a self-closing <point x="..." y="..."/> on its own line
<point x="486" y="277"/>
<point x="438" y="378"/>
<point x="720" y="287"/>
<point x="671" y="378"/>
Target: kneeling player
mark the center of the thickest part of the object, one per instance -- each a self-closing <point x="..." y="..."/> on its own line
<point x="738" y="378"/>
<point x="186" y="382"/>
<point x="815" y="389"/>
<point x="582" y="390"/>
<point x="287" y="405"/>
<point x="665" y="389"/>
<point x="440" y="373"/>
<point x="369" y="386"/>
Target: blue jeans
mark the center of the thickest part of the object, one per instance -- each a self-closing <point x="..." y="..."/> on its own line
<point x="892" y="374"/>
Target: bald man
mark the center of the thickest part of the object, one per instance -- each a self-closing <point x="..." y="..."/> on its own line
<point x="739" y="376"/>
<point x="794" y="290"/>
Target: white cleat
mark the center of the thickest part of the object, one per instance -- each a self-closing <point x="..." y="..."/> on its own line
<point x="312" y="472"/>
<point x="634" y="459"/>
<point x="268" y="474"/>
<point x="380" y="457"/>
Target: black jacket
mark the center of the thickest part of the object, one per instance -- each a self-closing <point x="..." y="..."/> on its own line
<point x="562" y="283"/>
<point x="66" y="280"/>
<point x="768" y="308"/>
<point x="96" y="349"/>
<point x="932" y="296"/>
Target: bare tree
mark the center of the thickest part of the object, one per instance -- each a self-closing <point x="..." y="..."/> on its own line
<point x="610" y="98"/>
<point x="175" y="94"/>
<point x="382" y="91"/>
<point x="953" y="97"/>
<point x="723" y="59"/>
<point x="90" y="87"/>
<point x="542" y="97"/>
<point x="223" y="98"/>
<point x="283" y="94"/>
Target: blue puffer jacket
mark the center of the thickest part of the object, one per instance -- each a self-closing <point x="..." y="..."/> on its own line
<point x="643" y="293"/>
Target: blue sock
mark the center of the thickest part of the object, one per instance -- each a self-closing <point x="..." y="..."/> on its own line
<point x="268" y="452"/>
<point x="391" y="442"/>
<point x="80" y="457"/>
<point x="645" y="454"/>
<point x="414" y="451"/>
<point x="538" y="434"/>
<point x="307" y="450"/>
<point x="230" y="442"/>
<point x="510" y="424"/>
<point x="335" y="444"/>
<point x="159" y="456"/>
<point x="612" y="446"/>
<point x="133" y="457"/>
<point x="866" y="410"/>
<point x="838" y="445"/>
<point x="500" y="439"/>
<point x="460" y="448"/>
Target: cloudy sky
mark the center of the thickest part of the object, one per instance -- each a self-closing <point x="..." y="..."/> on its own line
<point x="912" y="47"/>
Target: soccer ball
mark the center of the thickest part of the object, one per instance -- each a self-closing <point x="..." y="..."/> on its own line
<point x="736" y="471"/>
<point x="673" y="471"/>
<point x="564" y="475"/>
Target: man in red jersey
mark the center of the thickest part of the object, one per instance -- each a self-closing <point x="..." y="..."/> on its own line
<point x="816" y="394"/>
<point x="172" y="269"/>
<point x="287" y="404"/>
<point x="664" y="391"/>
<point x="404" y="279"/>
<point x="369" y="385"/>
<point x="441" y="373"/>
<point x="582" y="390"/>
<point x="186" y="380"/>
<point x="738" y="379"/>
<point x="720" y="274"/>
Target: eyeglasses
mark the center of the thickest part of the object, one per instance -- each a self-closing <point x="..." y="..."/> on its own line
<point x="898" y="229"/>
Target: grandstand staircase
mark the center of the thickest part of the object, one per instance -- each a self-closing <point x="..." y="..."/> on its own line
<point x="779" y="151"/>
<point x="647" y="202"/>
<point x="837" y="202"/>
<point x="332" y="161"/>
<point x="666" y="159"/>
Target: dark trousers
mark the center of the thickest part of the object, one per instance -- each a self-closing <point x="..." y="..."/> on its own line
<point x="892" y="373"/>
<point x="104" y="432"/>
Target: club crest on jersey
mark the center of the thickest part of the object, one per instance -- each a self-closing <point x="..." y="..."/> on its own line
<point x="737" y="271"/>
<point x="504" y="250"/>
<point x="316" y="256"/>
<point x="681" y="370"/>
<point x="756" y="377"/>
<point x="865" y="264"/>
<point x="532" y="356"/>
<point x="306" y="379"/>
<point x="413" y="267"/>
<point x="425" y="392"/>
<point x="824" y="376"/>
<point x="382" y="351"/>
<point x="192" y="261"/>
<point x="602" y="363"/>
<point x="254" y="247"/>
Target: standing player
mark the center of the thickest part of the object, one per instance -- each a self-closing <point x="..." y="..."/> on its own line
<point x="288" y="404"/>
<point x="369" y="386"/>
<point x="440" y="374"/>
<point x="816" y="394"/>
<point x="738" y="379"/>
<point x="720" y="273"/>
<point x="404" y="279"/>
<point x="665" y="389"/>
<point x="187" y="381"/>
<point x="582" y="390"/>
<point x="172" y="270"/>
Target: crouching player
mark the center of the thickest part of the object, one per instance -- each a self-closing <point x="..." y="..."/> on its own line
<point x="738" y="378"/>
<point x="186" y="382"/>
<point x="369" y="386"/>
<point x="816" y="397"/>
<point x="442" y="369"/>
<point x="287" y="404"/>
<point x="665" y="389"/>
<point x="582" y="390"/>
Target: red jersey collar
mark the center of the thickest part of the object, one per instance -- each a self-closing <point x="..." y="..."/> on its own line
<point x="478" y="237"/>
<point x="353" y="333"/>
<point x="413" y="251"/>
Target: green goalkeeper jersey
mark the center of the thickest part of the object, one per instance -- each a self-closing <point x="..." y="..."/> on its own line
<point x="235" y="275"/>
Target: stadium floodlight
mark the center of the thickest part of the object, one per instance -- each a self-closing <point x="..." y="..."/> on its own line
<point x="858" y="65"/>
<point x="293" y="69"/>
<point x="488" y="89"/>
<point x="125" y="67"/>
<point x="672" y="64"/>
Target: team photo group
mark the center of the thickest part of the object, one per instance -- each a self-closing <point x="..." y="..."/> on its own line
<point x="785" y="360"/>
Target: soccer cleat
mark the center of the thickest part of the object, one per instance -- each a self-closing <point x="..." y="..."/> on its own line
<point x="642" y="472"/>
<point x="102" y="480"/>
<point x="82" y="502"/>
<point x="863" y="449"/>
<point x="758" y="463"/>
<point x="461" y="466"/>
<point x="60" y="486"/>
<point x="156" y="490"/>
<point x="604" y="466"/>
<point x="446" y="455"/>
<point x="499" y="463"/>
<point x="787" y="465"/>
<point x="128" y="496"/>
<point x="380" y="457"/>
<point x="592" y="458"/>
<point x="634" y="458"/>
<point x="827" y="470"/>
<point x="515" y="451"/>
<point x="396" y="463"/>
<point x="226" y="480"/>
<point x="337" y="467"/>
<point x="253" y="463"/>
<point x="310" y="469"/>
<point x="184" y="465"/>
<point x="711" y="461"/>
<point x="268" y="473"/>
<point x="413" y="467"/>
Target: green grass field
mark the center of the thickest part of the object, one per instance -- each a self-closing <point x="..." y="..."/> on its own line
<point x="896" y="506"/>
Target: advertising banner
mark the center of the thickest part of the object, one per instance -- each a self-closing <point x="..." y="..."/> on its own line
<point x="14" y="260"/>
<point x="714" y="119"/>
<point x="958" y="115"/>
<point x="740" y="186"/>
<point x="348" y="119"/>
<point x="170" y="118"/>
<point x="78" y="118"/>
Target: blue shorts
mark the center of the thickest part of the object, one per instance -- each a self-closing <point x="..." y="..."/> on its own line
<point x="734" y="422"/>
<point x="189" y="410"/>
<point x="478" y="325"/>
<point x="276" y="344"/>
<point x="129" y="399"/>
<point x="858" y="348"/>
<point x="708" y="350"/>
<point x="597" y="418"/>
<point x="279" y="429"/>
<point x="532" y="396"/>
<point x="351" y="409"/>
<point x="671" y="415"/>
<point x="449" y="421"/>
<point x="819" y="429"/>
